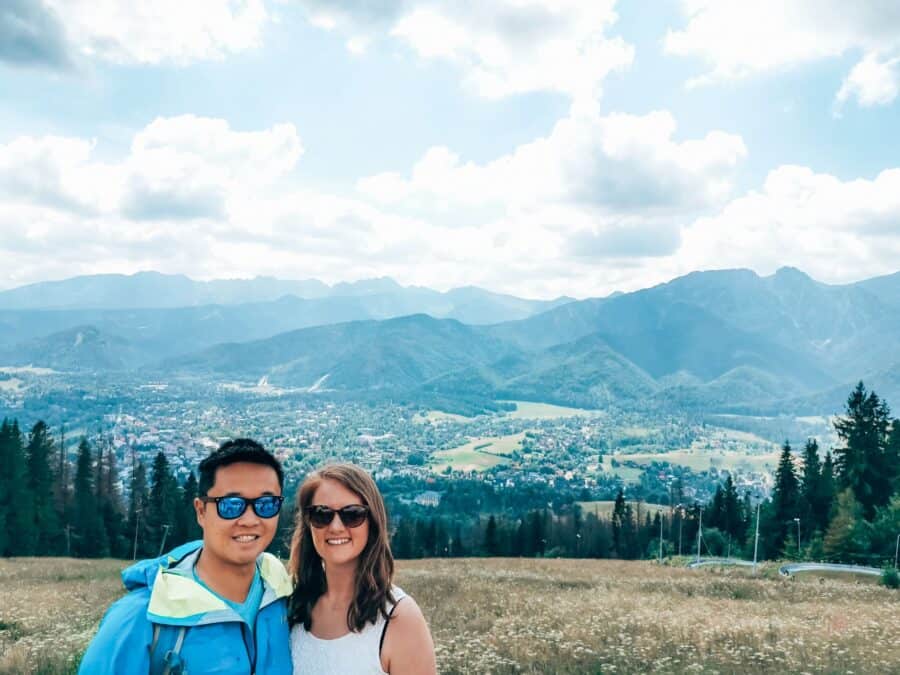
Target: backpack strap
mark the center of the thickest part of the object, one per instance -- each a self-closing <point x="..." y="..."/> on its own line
<point x="171" y="663"/>
<point x="155" y="640"/>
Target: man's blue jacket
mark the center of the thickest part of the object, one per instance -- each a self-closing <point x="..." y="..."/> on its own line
<point x="214" y="638"/>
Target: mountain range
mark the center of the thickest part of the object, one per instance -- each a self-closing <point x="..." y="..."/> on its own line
<point x="160" y="315"/>
<point x="720" y="340"/>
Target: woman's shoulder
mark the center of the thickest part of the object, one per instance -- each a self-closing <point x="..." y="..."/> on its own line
<point x="408" y="645"/>
<point x="408" y="609"/>
<point x="397" y="594"/>
<point x="405" y="612"/>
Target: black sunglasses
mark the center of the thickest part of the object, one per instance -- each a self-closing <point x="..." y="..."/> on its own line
<point x="352" y="515"/>
<point x="233" y="506"/>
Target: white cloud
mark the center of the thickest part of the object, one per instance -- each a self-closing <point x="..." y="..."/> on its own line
<point x="602" y="203"/>
<point x="55" y="171"/>
<point x="188" y="166"/>
<point x="160" y="31"/>
<point x="611" y="189"/>
<point x="737" y="39"/>
<point x="872" y="81"/>
<point x="835" y="230"/>
<point x="612" y="165"/>
<point x="178" y="168"/>
<point x="503" y="47"/>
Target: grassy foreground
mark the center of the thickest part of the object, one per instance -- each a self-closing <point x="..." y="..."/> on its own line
<point x="537" y="616"/>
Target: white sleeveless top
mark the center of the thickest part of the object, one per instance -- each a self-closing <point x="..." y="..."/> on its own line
<point x="350" y="654"/>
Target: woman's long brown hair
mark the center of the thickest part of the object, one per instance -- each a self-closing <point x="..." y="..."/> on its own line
<point x="375" y="565"/>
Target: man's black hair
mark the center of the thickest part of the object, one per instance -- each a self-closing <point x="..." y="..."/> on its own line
<point x="231" y="452"/>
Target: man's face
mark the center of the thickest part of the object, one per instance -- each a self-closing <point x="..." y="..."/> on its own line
<point x="240" y="541"/>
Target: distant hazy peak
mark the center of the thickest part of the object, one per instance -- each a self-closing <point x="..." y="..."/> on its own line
<point x="792" y="274"/>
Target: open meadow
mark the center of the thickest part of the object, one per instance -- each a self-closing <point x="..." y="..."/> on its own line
<point x="537" y="616"/>
<point x="479" y="454"/>
<point x="604" y="509"/>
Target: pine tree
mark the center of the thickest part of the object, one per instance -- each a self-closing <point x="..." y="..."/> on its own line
<point x="62" y="490"/>
<point x="90" y="538"/>
<point x="430" y="544"/>
<point x="732" y="514"/>
<point x="40" y="450"/>
<point x="418" y="540"/>
<point x="163" y="504"/>
<point x="109" y="499"/>
<point x="491" y="540"/>
<point x="629" y="534"/>
<point x="785" y="495"/>
<point x="848" y="537"/>
<point x="137" y="509"/>
<point x="886" y="528"/>
<point x="537" y="533"/>
<point x="457" y="549"/>
<point x="520" y="541"/>
<point x="715" y="512"/>
<point x="402" y="540"/>
<point x="5" y="463"/>
<point x="618" y="517"/>
<point x="187" y="528"/>
<point x="22" y="538"/>
<point x="826" y="493"/>
<point x="892" y="457"/>
<point x="810" y="480"/>
<point x="577" y="526"/>
<point x="861" y="463"/>
<point x="441" y="540"/>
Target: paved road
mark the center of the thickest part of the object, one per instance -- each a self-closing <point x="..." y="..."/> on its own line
<point x="793" y="568"/>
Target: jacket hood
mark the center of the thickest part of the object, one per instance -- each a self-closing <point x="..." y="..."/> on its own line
<point x="177" y="599"/>
<point x="143" y="573"/>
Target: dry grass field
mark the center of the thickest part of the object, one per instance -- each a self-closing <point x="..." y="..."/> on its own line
<point x="538" y="616"/>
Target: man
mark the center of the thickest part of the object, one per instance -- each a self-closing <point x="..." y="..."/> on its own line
<point x="216" y="606"/>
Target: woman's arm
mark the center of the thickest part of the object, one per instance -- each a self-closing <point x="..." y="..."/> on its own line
<point x="408" y="648"/>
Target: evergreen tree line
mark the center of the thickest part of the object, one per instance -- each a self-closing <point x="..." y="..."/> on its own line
<point x="630" y="532"/>
<point x="50" y="507"/>
<point x="845" y="508"/>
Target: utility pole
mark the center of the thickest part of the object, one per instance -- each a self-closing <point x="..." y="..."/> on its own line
<point x="137" y="520"/>
<point x="63" y="471"/>
<point x="797" y="520"/>
<point x="896" y="551"/>
<point x="699" y="531"/>
<point x="660" y="538"/>
<point x="163" y="542"/>
<point x="680" y="526"/>
<point x="756" y="538"/>
<point x="671" y="510"/>
<point x="68" y="541"/>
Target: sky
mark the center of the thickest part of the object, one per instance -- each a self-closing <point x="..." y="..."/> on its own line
<point x="534" y="147"/>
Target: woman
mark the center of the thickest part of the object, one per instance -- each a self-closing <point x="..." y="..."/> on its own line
<point x="346" y="617"/>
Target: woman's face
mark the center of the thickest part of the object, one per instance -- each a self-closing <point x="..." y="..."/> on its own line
<point x="336" y="543"/>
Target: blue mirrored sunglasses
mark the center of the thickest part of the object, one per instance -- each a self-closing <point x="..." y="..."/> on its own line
<point x="232" y="507"/>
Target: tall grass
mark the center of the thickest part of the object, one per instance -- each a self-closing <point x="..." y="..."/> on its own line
<point x="538" y="616"/>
